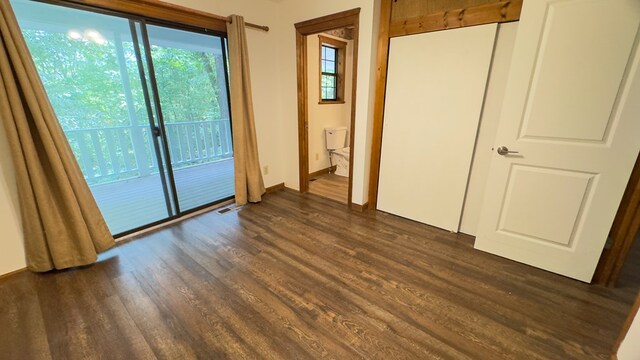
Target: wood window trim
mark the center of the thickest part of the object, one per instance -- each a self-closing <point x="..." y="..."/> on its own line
<point x="161" y="11"/>
<point x="341" y="47"/>
<point x="156" y="10"/>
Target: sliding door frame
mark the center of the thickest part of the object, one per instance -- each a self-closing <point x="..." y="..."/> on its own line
<point x="162" y="133"/>
<point x="152" y="124"/>
<point x="173" y="17"/>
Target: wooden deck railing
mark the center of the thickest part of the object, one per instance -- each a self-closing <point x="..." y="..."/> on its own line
<point x="123" y="152"/>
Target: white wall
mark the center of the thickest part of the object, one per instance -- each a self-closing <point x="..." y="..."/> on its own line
<point x="630" y="347"/>
<point x="11" y="248"/>
<point x="488" y="127"/>
<point x="322" y="116"/>
<point x="265" y="79"/>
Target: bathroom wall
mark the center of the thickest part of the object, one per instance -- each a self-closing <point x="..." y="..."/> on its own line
<point x="322" y="116"/>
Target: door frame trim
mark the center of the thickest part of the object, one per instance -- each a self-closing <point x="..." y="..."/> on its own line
<point x="623" y="233"/>
<point x="311" y="27"/>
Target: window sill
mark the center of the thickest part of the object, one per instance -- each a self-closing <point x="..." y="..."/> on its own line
<point x="327" y="102"/>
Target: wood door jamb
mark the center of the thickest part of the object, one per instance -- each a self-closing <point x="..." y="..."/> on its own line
<point x="342" y="19"/>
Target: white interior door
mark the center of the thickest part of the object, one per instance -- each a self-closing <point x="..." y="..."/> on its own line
<point x="572" y="111"/>
<point x="435" y="89"/>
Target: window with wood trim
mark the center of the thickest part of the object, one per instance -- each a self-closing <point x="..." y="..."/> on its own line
<point x="332" y="70"/>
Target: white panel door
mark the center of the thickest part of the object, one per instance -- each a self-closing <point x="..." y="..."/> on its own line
<point x="572" y="111"/>
<point x="435" y="90"/>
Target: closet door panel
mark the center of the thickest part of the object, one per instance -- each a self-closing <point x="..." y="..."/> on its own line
<point x="435" y="90"/>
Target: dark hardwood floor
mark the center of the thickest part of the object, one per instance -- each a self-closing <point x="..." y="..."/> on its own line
<point x="300" y="277"/>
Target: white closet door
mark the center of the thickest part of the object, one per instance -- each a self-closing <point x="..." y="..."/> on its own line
<point x="435" y="90"/>
<point x="572" y="112"/>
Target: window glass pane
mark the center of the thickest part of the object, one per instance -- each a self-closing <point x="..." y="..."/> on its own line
<point x="189" y="71"/>
<point x="331" y="54"/>
<point x="330" y="67"/>
<point x="331" y="93"/>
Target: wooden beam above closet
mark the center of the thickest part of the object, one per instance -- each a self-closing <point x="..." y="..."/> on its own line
<point x="495" y="12"/>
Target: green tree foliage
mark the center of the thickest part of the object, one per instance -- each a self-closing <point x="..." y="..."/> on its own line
<point x="85" y="86"/>
<point x="82" y="79"/>
<point x="88" y="82"/>
<point x="185" y="85"/>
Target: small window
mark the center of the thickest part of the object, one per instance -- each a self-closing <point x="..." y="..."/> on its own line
<point x="332" y="64"/>
<point x="329" y="80"/>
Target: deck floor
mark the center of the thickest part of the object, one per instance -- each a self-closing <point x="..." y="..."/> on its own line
<point x="137" y="202"/>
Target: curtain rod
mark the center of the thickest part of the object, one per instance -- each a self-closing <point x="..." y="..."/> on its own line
<point x="247" y="24"/>
<point x="208" y="14"/>
<point x="251" y="25"/>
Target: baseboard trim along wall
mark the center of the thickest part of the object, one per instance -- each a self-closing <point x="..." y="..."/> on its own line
<point x="322" y="171"/>
<point x="11" y="273"/>
<point x="360" y="208"/>
<point x="274" y="188"/>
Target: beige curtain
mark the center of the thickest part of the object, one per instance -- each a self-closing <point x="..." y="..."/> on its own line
<point x="248" y="178"/>
<point x="61" y="221"/>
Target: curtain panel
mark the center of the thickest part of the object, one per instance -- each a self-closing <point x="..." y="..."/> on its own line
<point x="62" y="224"/>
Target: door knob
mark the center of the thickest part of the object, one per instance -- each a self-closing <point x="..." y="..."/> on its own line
<point x="503" y="150"/>
<point x="155" y="131"/>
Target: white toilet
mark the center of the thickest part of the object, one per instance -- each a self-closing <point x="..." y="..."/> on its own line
<point x="336" y="139"/>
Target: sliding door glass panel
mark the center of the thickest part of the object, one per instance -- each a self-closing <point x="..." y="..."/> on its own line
<point x="89" y="69"/>
<point x="190" y="74"/>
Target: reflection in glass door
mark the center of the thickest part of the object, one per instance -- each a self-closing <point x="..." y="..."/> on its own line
<point x="146" y="117"/>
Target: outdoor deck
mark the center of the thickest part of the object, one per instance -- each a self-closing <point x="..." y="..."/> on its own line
<point x="136" y="202"/>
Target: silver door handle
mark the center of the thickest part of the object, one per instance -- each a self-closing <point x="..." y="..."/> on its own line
<point x="503" y="150"/>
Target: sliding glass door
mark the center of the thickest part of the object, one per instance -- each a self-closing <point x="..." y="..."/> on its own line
<point x="190" y="74"/>
<point x="144" y="107"/>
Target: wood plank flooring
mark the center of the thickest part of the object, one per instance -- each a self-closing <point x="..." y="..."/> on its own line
<point x="331" y="186"/>
<point x="300" y="277"/>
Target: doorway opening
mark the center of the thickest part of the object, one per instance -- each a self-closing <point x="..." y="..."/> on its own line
<point x="327" y="49"/>
<point x="330" y="64"/>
